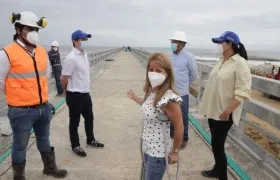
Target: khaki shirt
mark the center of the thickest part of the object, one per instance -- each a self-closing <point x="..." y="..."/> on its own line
<point x="228" y="80"/>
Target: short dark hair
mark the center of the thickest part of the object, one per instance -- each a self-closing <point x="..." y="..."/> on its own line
<point x="20" y="26"/>
<point x="73" y="42"/>
<point x="183" y="43"/>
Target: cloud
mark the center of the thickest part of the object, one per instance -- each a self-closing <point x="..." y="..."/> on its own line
<point x="150" y="23"/>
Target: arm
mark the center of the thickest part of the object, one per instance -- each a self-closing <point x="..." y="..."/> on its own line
<point x="51" y="57"/>
<point x="192" y="69"/>
<point x="4" y="69"/>
<point x="64" y="81"/>
<point x="173" y="111"/>
<point x="243" y="82"/>
<point x="48" y="72"/>
<point x="67" y="70"/>
<point x="137" y="99"/>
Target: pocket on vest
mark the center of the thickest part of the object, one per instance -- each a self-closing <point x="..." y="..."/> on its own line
<point x="25" y="90"/>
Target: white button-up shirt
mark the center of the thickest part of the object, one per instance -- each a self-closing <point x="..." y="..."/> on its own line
<point x="76" y="66"/>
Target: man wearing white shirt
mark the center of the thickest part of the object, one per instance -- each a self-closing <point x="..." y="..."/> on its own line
<point x="76" y="80"/>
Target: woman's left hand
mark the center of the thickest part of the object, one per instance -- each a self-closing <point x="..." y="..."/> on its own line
<point x="173" y="158"/>
<point x="225" y="116"/>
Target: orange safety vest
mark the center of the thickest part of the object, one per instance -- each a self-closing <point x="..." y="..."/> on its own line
<point x="26" y="82"/>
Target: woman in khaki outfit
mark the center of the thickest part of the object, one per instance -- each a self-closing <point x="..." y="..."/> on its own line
<point x="229" y="84"/>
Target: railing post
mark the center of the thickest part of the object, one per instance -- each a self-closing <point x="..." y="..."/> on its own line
<point x="242" y="123"/>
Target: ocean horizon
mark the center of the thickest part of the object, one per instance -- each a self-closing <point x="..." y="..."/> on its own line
<point x="204" y="52"/>
<point x="256" y="57"/>
<point x="273" y="55"/>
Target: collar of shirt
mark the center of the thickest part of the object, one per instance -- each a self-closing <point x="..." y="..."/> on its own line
<point x="234" y="57"/>
<point x="182" y="50"/>
<point x="179" y="52"/>
<point x="23" y="45"/>
<point x="77" y="51"/>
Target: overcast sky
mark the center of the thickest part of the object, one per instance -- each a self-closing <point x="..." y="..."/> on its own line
<point x="150" y="22"/>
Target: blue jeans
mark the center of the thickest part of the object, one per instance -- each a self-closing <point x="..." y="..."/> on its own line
<point x="22" y="120"/>
<point x="185" y="112"/>
<point x="154" y="167"/>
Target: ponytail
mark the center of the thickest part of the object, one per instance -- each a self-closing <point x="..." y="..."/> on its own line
<point x="240" y="49"/>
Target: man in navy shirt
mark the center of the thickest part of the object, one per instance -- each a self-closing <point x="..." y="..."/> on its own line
<point x="54" y="57"/>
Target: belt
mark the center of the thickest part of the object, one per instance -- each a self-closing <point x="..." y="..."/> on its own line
<point x="75" y="92"/>
<point x="31" y="107"/>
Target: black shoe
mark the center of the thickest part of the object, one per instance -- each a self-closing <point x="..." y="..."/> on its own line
<point x="210" y="174"/>
<point x="79" y="152"/>
<point x="96" y="144"/>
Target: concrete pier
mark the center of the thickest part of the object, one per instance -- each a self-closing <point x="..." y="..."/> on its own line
<point x="117" y="125"/>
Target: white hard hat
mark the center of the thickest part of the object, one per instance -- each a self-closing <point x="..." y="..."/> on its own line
<point x="29" y="19"/>
<point x="179" y="36"/>
<point x="55" y="43"/>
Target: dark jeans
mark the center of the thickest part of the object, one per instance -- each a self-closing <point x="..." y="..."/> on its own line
<point x="219" y="131"/>
<point x="154" y="167"/>
<point x="79" y="104"/>
<point x="57" y="74"/>
<point x="22" y="120"/>
<point x="185" y="112"/>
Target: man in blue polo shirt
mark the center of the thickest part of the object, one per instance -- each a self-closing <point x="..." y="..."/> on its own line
<point x="185" y="72"/>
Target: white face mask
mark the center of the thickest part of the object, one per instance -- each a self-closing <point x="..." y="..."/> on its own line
<point x="219" y="50"/>
<point x="55" y="48"/>
<point x="32" y="37"/>
<point x="156" y="79"/>
<point x="84" y="45"/>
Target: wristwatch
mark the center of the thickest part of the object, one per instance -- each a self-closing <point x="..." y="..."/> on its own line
<point x="175" y="150"/>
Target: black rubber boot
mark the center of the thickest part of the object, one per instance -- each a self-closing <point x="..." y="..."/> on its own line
<point x="19" y="171"/>
<point x="50" y="167"/>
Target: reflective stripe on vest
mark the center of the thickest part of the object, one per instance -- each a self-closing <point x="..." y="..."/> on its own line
<point x="26" y="75"/>
<point x="26" y="82"/>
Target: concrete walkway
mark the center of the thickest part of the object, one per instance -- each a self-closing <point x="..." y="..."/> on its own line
<point x="117" y="125"/>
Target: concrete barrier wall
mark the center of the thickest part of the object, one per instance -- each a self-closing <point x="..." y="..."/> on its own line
<point x="258" y="109"/>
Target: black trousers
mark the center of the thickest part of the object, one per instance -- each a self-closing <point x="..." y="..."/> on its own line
<point x="219" y="131"/>
<point x="79" y="104"/>
<point x="57" y="74"/>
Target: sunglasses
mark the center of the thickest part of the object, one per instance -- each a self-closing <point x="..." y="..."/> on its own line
<point x="29" y="28"/>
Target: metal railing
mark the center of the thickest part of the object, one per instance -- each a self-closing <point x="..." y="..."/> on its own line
<point x="94" y="57"/>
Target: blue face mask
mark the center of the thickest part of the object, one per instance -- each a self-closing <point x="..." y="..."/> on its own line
<point x="84" y="45"/>
<point x="174" y="47"/>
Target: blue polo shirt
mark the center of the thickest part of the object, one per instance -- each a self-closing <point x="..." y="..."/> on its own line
<point x="185" y="71"/>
